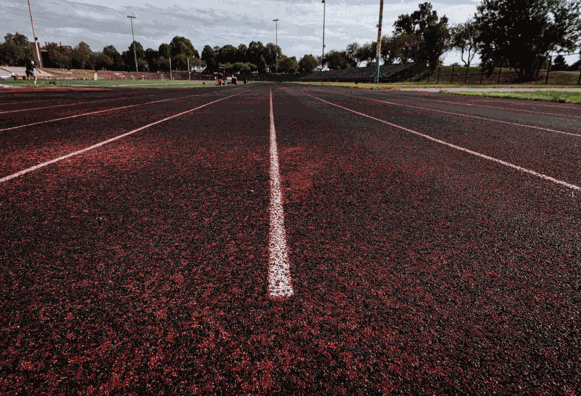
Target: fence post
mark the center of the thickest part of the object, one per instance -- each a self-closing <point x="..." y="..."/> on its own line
<point x="438" y="81"/>
<point x="548" y="69"/>
<point x="452" y="78"/>
<point x="481" y="74"/>
<point x="499" y="71"/>
<point x="466" y="79"/>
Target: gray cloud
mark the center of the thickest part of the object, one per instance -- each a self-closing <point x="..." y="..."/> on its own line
<point x="104" y="22"/>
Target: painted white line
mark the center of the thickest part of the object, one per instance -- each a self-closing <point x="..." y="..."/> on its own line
<point x="462" y="115"/>
<point x="494" y="107"/>
<point x="61" y="105"/>
<point x="67" y="104"/>
<point x="279" y="278"/>
<point x="508" y="164"/>
<point x="94" y="146"/>
<point x="517" y="102"/>
<point x="93" y="112"/>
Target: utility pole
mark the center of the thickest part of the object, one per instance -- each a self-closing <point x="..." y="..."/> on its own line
<point x="36" y="45"/>
<point x="189" y="76"/>
<point x="323" y="56"/>
<point x="378" y="42"/>
<point x="134" y="49"/>
<point x="276" y="48"/>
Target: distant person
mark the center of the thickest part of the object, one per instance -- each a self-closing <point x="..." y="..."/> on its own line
<point x="31" y="71"/>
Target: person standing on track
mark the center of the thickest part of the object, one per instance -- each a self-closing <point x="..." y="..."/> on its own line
<point x="31" y="71"/>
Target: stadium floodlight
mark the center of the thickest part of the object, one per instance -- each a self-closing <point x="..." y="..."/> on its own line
<point x="131" y="18"/>
<point x="276" y="48"/>
<point x="323" y="56"/>
<point x="378" y="42"/>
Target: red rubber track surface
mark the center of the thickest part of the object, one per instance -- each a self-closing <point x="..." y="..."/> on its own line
<point x="140" y="267"/>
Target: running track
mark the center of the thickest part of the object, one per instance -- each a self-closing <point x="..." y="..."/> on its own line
<point x="419" y="243"/>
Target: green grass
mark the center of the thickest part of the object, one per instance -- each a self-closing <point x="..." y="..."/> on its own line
<point x="389" y="86"/>
<point x="548" y="96"/>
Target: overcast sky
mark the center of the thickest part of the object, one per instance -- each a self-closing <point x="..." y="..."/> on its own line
<point x="300" y="29"/>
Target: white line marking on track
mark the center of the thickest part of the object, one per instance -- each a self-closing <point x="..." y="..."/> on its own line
<point x="279" y="278"/>
<point x="508" y="164"/>
<point x="66" y="104"/>
<point x="462" y="115"/>
<point x="493" y="107"/>
<point x="94" y="112"/>
<point x="17" y="174"/>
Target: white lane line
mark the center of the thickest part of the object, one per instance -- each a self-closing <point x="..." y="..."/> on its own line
<point x="492" y="107"/>
<point x="279" y="278"/>
<point x="68" y="104"/>
<point x="93" y="112"/>
<point x="516" y="101"/>
<point x="462" y="115"/>
<point x="35" y="167"/>
<point x="508" y="164"/>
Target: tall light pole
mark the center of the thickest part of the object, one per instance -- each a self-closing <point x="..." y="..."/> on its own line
<point x="378" y="42"/>
<point x="323" y="56"/>
<point x="131" y="18"/>
<point x="35" y="38"/>
<point x="276" y="48"/>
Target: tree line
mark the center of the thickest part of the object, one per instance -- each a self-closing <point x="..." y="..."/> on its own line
<point x="16" y="51"/>
<point x="520" y="34"/>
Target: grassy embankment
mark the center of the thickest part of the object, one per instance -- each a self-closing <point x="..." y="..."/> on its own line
<point x="446" y="80"/>
<point x="547" y="96"/>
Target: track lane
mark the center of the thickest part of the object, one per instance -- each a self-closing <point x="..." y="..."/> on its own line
<point x="37" y="144"/>
<point x="552" y="154"/>
<point x="22" y="119"/>
<point x="423" y="270"/>
<point x="141" y="267"/>
<point x="565" y="122"/>
<point x="146" y="255"/>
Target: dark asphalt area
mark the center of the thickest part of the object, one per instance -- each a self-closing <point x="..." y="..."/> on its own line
<point x="140" y="266"/>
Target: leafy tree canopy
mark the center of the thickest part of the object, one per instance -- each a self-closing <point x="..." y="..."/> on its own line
<point x="15" y="51"/>
<point x="523" y="33"/>
<point x="182" y="46"/>
<point x="424" y="36"/>
<point x="308" y="63"/>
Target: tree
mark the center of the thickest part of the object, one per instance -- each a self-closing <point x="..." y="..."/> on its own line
<point x="560" y="64"/>
<point x="241" y="53"/>
<point x="464" y="37"/>
<point x="427" y="34"/>
<point x="524" y="32"/>
<point x="308" y="63"/>
<point x="210" y="58"/>
<point x="129" y="57"/>
<point x="351" y="52"/>
<point x="182" y="46"/>
<point x="337" y="60"/>
<point x="228" y="54"/>
<point x="271" y="51"/>
<point x="58" y="57"/>
<point x="365" y="53"/>
<point x="255" y="55"/>
<point x="116" y="58"/>
<point x="15" y="51"/>
<point x="82" y="57"/>
<point x="164" y="51"/>
<point x="288" y="65"/>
